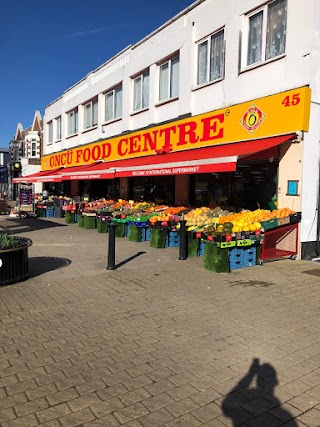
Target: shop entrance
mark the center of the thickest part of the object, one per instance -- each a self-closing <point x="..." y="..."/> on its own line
<point x="159" y="189"/>
<point x="252" y="186"/>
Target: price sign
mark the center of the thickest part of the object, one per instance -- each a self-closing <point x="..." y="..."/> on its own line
<point x="223" y="245"/>
<point x="245" y="242"/>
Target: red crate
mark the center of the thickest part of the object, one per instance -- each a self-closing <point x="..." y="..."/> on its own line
<point x="280" y="242"/>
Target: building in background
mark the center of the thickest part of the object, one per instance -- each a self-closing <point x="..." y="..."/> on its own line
<point x="25" y="154"/>
<point x="220" y="105"/>
<point x="4" y="160"/>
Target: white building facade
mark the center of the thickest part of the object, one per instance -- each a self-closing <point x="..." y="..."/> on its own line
<point x="254" y="64"/>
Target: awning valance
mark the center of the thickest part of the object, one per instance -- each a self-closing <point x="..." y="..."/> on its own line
<point x="42" y="176"/>
<point x="221" y="158"/>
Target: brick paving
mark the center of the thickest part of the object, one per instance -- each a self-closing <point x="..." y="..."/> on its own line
<point x="156" y="342"/>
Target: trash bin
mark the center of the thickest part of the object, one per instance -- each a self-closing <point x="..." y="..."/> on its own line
<point x="58" y="212"/>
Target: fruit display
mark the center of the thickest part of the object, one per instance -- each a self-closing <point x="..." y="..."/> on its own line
<point x="250" y="221"/>
<point x="199" y="218"/>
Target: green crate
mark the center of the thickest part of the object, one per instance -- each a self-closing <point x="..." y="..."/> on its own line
<point x="270" y="223"/>
<point x="138" y="218"/>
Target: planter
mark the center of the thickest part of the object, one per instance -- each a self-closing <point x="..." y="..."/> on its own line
<point x="102" y="225"/>
<point x="216" y="259"/>
<point x="89" y="221"/>
<point x="135" y="233"/>
<point x="14" y="262"/>
<point x="120" y="230"/>
<point x="69" y="218"/>
<point x="158" y="237"/>
<point x="80" y="220"/>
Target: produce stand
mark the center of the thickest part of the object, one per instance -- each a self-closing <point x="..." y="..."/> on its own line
<point x="103" y="221"/>
<point x="227" y="240"/>
<point x="280" y="242"/>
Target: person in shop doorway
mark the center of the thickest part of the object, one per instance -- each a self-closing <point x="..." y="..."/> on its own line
<point x="254" y="394"/>
<point x="45" y="194"/>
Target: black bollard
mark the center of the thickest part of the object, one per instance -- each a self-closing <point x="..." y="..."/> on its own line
<point x="112" y="247"/>
<point x="183" y="248"/>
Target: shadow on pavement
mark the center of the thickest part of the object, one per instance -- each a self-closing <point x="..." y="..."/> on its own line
<point x="129" y="259"/>
<point x="24" y="225"/>
<point x="249" y="404"/>
<point x="43" y="264"/>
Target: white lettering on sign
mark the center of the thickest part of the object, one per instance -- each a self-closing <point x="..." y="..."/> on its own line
<point x="167" y="171"/>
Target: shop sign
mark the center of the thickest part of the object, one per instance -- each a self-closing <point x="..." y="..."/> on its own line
<point x="279" y="114"/>
<point x="252" y="118"/>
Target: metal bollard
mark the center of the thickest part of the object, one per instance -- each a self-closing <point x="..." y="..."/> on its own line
<point x="183" y="248"/>
<point x="112" y="247"/>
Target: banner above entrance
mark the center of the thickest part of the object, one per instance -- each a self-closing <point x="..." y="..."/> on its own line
<point x="279" y="114"/>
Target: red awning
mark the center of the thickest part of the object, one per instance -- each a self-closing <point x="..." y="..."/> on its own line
<point x="221" y="158"/>
<point x="42" y="176"/>
<point x="85" y="172"/>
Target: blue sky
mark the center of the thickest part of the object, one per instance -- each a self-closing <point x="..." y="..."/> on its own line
<point x="47" y="46"/>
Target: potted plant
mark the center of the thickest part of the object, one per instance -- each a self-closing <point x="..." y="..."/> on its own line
<point x="14" y="262"/>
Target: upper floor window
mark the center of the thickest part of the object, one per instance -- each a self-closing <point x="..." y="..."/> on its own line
<point x="73" y="122"/>
<point x="113" y="104"/>
<point x="50" y="132"/>
<point x="211" y="58"/>
<point x="58" y="128"/>
<point x="33" y="148"/>
<point x="91" y="114"/>
<point x="267" y="32"/>
<point x="141" y="91"/>
<point x="169" y="79"/>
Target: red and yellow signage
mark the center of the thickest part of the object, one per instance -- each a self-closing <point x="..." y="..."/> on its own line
<point x="279" y="114"/>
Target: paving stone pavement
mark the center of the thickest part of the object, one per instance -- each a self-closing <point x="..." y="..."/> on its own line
<point x="156" y="342"/>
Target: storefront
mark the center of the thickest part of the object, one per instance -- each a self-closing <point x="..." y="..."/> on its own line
<point x="243" y="156"/>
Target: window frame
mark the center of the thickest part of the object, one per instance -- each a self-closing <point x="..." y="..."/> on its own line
<point x="168" y="61"/>
<point x="75" y="113"/>
<point x="245" y="44"/>
<point x="142" y="77"/>
<point x="33" y="143"/>
<point x="113" y="91"/>
<point x="93" y="122"/>
<point x="58" y="129"/>
<point x="208" y="39"/>
<point x="50" y="131"/>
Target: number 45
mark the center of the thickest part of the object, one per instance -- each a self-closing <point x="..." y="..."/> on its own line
<point x="293" y="100"/>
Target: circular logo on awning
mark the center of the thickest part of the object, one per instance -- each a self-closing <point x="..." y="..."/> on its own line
<point x="252" y="118"/>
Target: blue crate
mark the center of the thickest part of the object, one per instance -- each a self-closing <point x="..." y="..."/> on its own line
<point x="249" y="262"/>
<point x="49" y="213"/>
<point x="235" y="265"/>
<point x="250" y="252"/>
<point x="201" y="249"/>
<point x="172" y="240"/>
<point x="236" y="254"/>
<point x="147" y="234"/>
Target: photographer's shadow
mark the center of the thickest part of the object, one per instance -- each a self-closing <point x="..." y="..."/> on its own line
<point x="256" y="405"/>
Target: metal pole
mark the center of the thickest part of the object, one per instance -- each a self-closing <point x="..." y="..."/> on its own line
<point x="183" y="247"/>
<point x="112" y="247"/>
